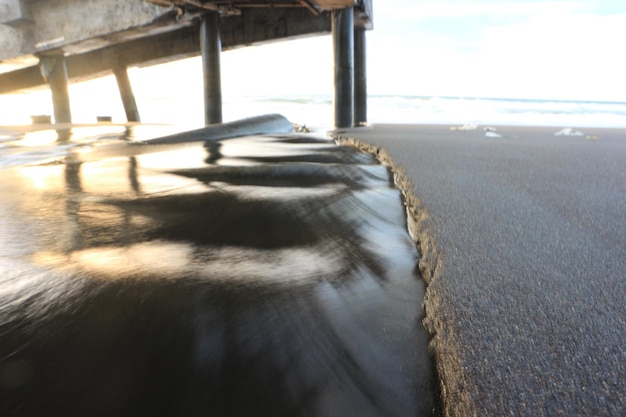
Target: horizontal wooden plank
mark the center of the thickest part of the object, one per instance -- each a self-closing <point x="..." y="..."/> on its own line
<point x="253" y="26"/>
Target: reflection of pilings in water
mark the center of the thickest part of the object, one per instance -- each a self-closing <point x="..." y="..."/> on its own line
<point x="214" y="151"/>
<point x="133" y="178"/>
<point x="244" y="287"/>
<point x="64" y="135"/>
<point x="72" y="205"/>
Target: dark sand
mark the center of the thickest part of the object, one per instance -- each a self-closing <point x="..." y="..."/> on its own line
<point x="525" y="236"/>
<point x="261" y="276"/>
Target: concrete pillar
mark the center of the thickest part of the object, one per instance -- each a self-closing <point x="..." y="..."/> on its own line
<point x="343" y="51"/>
<point x="54" y="71"/>
<point x="360" y="77"/>
<point x="211" y="48"/>
<point x="126" y="94"/>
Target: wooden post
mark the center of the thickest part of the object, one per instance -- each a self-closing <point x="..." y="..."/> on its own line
<point x="126" y="93"/>
<point x="211" y="47"/>
<point x="54" y="71"/>
<point x="360" y="77"/>
<point x="343" y="51"/>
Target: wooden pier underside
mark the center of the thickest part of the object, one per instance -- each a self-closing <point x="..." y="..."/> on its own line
<point x="165" y="30"/>
<point x="58" y="42"/>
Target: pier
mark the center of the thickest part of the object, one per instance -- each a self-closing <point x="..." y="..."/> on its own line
<point x="58" y="42"/>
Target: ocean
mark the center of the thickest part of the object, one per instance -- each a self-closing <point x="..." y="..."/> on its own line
<point x="260" y="275"/>
<point x="167" y="114"/>
<point x="317" y="111"/>
<point x="184" y="108"/>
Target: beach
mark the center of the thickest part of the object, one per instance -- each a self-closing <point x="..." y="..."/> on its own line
<point x="522" y="234"/>
<point x="256" y="276"/>
<point x="286" y="261"/>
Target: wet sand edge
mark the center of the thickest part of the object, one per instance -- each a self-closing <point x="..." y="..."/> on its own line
<point x="452" y="399"/>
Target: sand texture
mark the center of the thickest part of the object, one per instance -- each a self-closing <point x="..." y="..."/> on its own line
<point x="523" y="234"/>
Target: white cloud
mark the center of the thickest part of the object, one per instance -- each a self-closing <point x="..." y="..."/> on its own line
<point x="424" y="10"/>
<point x="565" y="56"/>
<point x="556" y="50"/>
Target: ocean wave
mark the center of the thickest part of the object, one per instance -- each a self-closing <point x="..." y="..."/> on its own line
<point x="267" y="276"/>
<point x="446" y="110"/>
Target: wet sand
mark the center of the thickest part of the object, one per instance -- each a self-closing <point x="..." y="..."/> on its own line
<point x="259" y="276"/>
<point x="523" y="238"/>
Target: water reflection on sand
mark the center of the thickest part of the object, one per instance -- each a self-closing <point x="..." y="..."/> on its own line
<point x="259" y="276"/>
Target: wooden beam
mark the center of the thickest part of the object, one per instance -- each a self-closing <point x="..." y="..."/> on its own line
<point x="308" y="5"/>
<point x="206" y="6"/>
<point x="252" y="27"/>
<point x="335" y="4"/>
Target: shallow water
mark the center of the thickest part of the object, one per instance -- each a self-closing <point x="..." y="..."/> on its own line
<point x="258" y="276"/>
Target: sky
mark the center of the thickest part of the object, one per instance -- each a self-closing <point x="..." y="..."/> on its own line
<point x="554" y="50"/>
<point x="513" y="49"/>
<point x="563" y="49"/>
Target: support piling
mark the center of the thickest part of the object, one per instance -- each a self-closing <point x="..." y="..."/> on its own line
<point x="360" y="77"/>
<point x="126" y="94"/>
<point x="54" y="70"/>
<point x="343" y="51"/>
<point x="211" y="48"/>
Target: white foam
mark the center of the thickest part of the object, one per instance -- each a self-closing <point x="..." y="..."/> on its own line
<point x="568" y="131"/>
<point x="466" y="126"/>
<point x="316" y="111"/>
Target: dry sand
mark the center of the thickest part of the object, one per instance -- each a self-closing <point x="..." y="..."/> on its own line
<point x="523" y="238"/>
